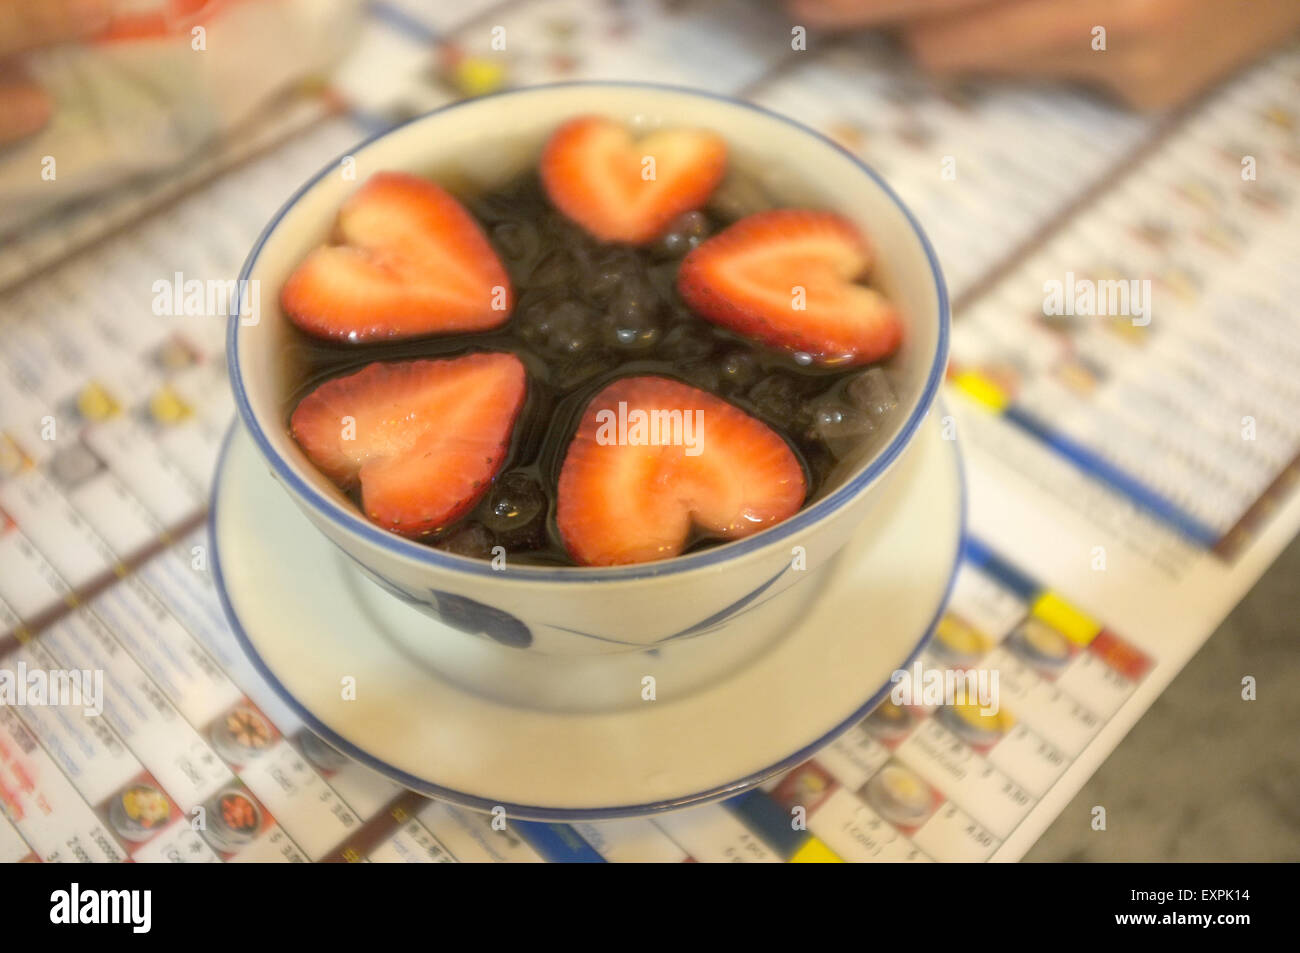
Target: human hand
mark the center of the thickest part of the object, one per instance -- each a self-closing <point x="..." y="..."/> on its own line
<point x="28" y="24"/>
<point x="1159" y="53"/>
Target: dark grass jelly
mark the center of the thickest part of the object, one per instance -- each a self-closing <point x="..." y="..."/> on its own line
<point x="586" y="313"/>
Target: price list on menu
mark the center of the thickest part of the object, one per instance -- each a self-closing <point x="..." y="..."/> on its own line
<point x="183" y="764"/>
<point x="918" y="780"/>
<point x="1183" y="409"/>
<point x="112" y="417"/>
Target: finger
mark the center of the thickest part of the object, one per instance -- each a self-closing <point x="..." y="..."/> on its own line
<point x="1153" y="78"/>
<point x="1053" y="64"/>
<point x="1202" y="45"/>
<point x="1157" y="54"/>
<point x="26" y="24"/>
<point x="989" y="36"/>
<point x="1123" y="75"/>
<point x="848" y="14"/>
<point x="24" y="109"/>
<point x="1071" y="67"/>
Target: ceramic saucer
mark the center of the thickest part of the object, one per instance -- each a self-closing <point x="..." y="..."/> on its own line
<point x="462" y="718"/>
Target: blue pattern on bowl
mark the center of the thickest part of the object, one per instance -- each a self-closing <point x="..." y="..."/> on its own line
<point x="459" y="612"/>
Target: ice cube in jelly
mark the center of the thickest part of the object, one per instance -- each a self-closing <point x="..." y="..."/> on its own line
<point x="871" y="393"/>
<point x="845" y="417"/>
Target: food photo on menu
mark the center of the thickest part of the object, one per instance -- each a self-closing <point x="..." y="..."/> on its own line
<point x="599" y="431"/>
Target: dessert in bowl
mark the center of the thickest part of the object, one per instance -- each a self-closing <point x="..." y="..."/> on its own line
<point x="591" y="367"/>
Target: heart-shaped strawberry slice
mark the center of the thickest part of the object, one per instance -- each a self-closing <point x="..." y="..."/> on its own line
<point x="409" y="261"/>
<point x="625" y="190"/>
<point x="423" y="438"/>
<point x="655" y="460"/>
<point x="790" y="278"/>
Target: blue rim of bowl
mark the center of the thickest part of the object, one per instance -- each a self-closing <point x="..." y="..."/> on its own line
<point x="558" y="814"/>
<point x="356" y="524"/>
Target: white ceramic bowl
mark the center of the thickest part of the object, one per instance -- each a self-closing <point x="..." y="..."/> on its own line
<point x="751" y="588"/>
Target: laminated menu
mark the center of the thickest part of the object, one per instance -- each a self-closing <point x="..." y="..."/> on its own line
<point x="1162" y="455"/>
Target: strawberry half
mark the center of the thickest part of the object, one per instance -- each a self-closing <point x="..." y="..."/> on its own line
<point x="423" y="438"/>
<point x="409" y="260"/>
<point x="748" y="278"/>
<point x="627" y="500"/>
<point x="597" y="175"/>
